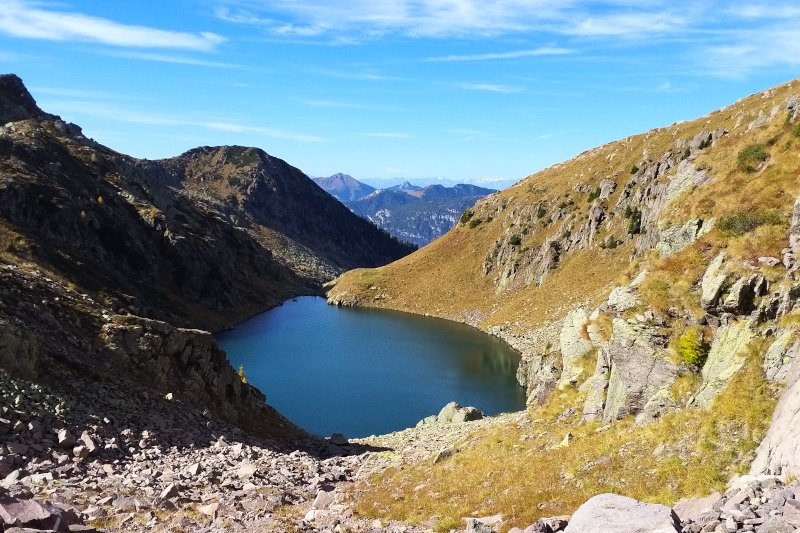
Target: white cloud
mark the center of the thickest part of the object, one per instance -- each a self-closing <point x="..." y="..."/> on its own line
<point x="751" y="50"/>
<point x="118" y="113"/>
<point x="175" y="59"/>
<point x="491" y="87"/>
<point x="19" y="18"/>
<point x="514" y="54"/>
<point x="387" y="135"/>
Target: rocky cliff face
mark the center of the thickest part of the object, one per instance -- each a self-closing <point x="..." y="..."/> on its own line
<point x="108" y="262"/>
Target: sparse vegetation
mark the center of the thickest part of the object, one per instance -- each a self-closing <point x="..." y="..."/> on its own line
<point x="515" y="240"/>
<point x="751" y="157"/>
<point x="634" y="169"/>
<point x="796" y="130"/>
<point x="699" y="452"/>
<point x="634" y="216"/>
<point x="475" y="222"/>
<point x="593" y="195"/>
<point x="692" y="348"/>
<point x="466" y="216"/>
<point x="242" y="375"/>
<point x="234" y="181"/>
<point x="747" y="221"/>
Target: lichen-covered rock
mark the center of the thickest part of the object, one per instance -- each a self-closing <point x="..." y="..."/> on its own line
<point x="794" y="230"/>
<point x="712" y="282"/>
<point x="638" y="372"/>
<point x="612" y="513"/>
<point x="596" y="387"/>
<point x="574" y="345"/>
<point x="780" y="355"/>
<point x="674" y="239"/>
<point x="726" y="358"/>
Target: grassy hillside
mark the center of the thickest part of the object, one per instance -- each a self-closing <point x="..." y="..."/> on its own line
<point x="447" y="278"/>
<point x="642" y="218"/>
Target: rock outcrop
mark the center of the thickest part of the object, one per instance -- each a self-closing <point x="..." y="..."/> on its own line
<point x="611" y="513"/>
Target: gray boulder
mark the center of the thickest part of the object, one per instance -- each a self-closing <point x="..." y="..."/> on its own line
<point x="777" y="453"/>
<point x="674" y="239"/>
<point x="712" y="282"/>
<point x="780" y="355"/>
<point x="453" y="413"/>
<point x="726" y="358"/>
<point x="612" y="513"/>
<point x="573" y="345"/>
<point x="638" y="370"/>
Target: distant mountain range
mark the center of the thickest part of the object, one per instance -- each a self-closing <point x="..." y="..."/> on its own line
<point x="409" y="212"/>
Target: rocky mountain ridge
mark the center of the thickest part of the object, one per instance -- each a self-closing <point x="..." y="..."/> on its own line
<point x="411" y="213"/>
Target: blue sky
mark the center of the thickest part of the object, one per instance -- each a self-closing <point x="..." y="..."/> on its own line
<point x="463" y="90"/>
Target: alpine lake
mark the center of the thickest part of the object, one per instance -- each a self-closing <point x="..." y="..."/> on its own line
<point x="365" y="372"/>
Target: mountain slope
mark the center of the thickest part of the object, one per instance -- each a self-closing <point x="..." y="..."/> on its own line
<point x="343" y="187"/>
<point x="417" y="214"/>
<point x="651" y="285"/>
<point x="107" y="261"/>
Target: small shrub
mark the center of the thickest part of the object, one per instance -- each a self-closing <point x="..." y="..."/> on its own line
<point x="747" y="221"/>
<point x="634" y="216"/>
<point x="100" y="200"/>
<point x="634" y="169"/>
<point x="593" y="195"/>
<point x="242" y="375"/>
<point x="751" y="157"/>
<point x="541" y="211"/>
<point x="475" y="222"/>
<point x="692" y="349"/>
<point x="466" y="215"/>
<point x="515" y="240"/>
<point x="796" y="130"/>
<point x="234" y="181"/>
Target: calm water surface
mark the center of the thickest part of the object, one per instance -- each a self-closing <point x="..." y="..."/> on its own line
<point x="367" y="371"/>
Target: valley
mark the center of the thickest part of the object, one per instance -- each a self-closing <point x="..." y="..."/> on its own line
<point x="649" y="284"/>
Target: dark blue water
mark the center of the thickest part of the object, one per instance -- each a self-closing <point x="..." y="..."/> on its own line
<point x="367" y="371"/>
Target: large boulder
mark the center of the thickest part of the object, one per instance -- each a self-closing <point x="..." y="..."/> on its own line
<point x="574" y="345"/>
<point x="726" y="358"/>
<point x="674" y="239"/>
<point x="780" y="355"/>
<point x="638" y="371"/>
<point x="777" y="453"/>
<point x="713" y="282"/>
<point x="612" y="513"/>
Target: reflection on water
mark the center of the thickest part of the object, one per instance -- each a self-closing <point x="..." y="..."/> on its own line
<point x="362" y="372"/>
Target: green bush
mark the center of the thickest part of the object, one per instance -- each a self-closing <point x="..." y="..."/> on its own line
<point x="634" y="216"/>
<point x="751" y="156"/>
<point x="692" y="349"/>
<point x="475" y="222"/>
<point x="515" y="240"/>
<point x="796" y="130"/>
<point x="234" y="181"/>
<point x="747" y="221"/>
<point x="634" y="169"/>
<point x="541" y="211"/>
<point x="594" y="195"/>
<point x="466" y="215"/>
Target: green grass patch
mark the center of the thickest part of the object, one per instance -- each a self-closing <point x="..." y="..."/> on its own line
<point x="751" y="156"/>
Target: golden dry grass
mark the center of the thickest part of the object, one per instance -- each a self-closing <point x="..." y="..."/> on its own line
<point x="520" y="471"/>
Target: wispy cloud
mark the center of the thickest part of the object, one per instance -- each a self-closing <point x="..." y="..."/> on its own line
<point x="491" y="87"/>
<point x="755" y="50"/>
<point x="20" y="18"/>
<point x="176" y="59"/>
<point x="515" y="54"/>
<point x="387" y="135"/>
<point x="121" y="114"/>
<point x="330" y="103"/>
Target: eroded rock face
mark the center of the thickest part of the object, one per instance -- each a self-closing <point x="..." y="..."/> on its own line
<point x="19" y="350"/>
<point x="726" y="358"/>
<point x="780" y="356"/>
<point x="778" y="452"/>
<point x="189" y="364"/>
<point x="675" y="239"/>
<point x="612" y="513"/>
<point x="631" y="371"/>
<point x="713" y="282"/>
<point x="574" y="344"/>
